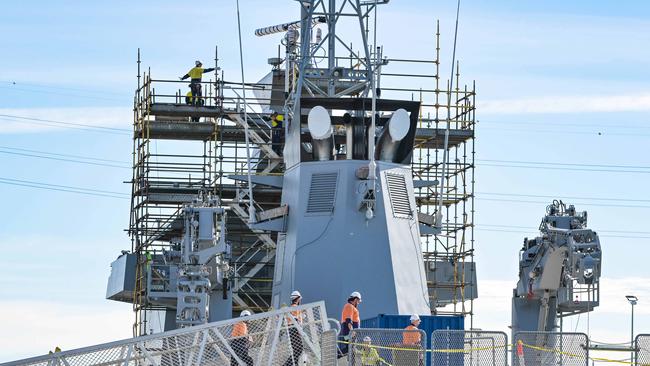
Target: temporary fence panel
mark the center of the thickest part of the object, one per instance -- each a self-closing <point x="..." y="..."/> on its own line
<point x="329" y="350"/>
<point x="469" y="348"/>
<point x="642" y="345"/>
<point x="286" y="336"/>
<point x="385" y="347"/>
<point x="550" y="348"/>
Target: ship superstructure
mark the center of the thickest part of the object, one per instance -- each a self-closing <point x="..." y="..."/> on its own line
<point x="227" y="147"/>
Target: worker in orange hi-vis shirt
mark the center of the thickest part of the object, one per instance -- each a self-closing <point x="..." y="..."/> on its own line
<point x="349" y="320"/>
<point x="241" y="341"/>
<point x="412" y="336"/>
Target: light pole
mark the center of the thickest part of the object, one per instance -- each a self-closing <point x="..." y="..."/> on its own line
<point x="633" y="300"/>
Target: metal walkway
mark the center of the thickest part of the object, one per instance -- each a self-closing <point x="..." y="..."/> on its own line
<point x="270" y="339"/>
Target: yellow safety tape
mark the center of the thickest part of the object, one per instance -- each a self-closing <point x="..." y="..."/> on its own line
<point x="597" y="359"/>
<point x="459" y="350"/>
<point x="468" y="350"/>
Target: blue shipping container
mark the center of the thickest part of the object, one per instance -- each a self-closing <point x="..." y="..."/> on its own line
<point x="429" y="323"/>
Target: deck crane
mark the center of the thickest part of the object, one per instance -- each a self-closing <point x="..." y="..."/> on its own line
<point x="559" y="271"/>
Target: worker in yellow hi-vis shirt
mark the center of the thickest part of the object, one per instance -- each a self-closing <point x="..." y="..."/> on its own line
<point x="195" y="75"/>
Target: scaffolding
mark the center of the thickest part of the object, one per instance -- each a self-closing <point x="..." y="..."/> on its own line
<point x="182" y="147"/>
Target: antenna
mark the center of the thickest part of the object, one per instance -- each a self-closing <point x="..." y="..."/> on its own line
<point x="445" y="154"/>
<point x="251" y="208"/>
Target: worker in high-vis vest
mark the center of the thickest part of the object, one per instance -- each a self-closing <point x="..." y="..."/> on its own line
<point x="195" y="74"/>
<point x="294" y="322"/>
<point x="190" y="100"/>
<point x="349" y="320"/>
<point x="277" y="132"/>
<point x="148" y="260"/>
<point x="241" y="341"/>
<point x="368" y="354"/>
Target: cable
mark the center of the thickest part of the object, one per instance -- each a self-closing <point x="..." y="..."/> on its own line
<point x="251" y="208"/>
<point x="60" y="188"/>
<point x="567" y="164"/>
<point x="531" y="231"/>
<point x="79" y="126"/>
<point x="64" y="155"/>
<point x="445" y="152"/>
<point x="61" y="94"/>
<point x="576" y="203"/>
<point x="562" y="196"/>
<point x="535" y="228"/>
<point x="561" y="168"/>
<point x="20" y="83"/>
<point x="66" y="160"/>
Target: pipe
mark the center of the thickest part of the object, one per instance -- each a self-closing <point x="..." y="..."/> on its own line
<point x="394" y="131"/>
<point x="320" y="128"/>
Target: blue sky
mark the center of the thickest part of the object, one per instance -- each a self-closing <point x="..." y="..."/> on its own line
<point x="558" y="82"/>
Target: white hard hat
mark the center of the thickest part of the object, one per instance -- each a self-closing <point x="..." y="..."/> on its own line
<point x="197" y="63"/>
<point x="356" y="294"/>
<point x="246" y="313"/>
<point x="415" y="317"/>
<point x="367" y="339"/>
<point x="295" y="295"/>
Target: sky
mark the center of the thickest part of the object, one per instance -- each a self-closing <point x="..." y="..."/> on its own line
<point x="563" y="102"/>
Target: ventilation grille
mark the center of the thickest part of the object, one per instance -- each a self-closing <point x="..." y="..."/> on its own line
<point x="322" y="192"/>
<point x="399" y="197"/>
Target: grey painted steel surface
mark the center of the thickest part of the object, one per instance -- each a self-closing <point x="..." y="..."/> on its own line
<point x="331" y="248"/>
<point x="550" y="348"/>
<point x="264" y="342"/>
<point x="445" y="274"/>
<point x="121" y="281"/>
<point x="559" y="271"/>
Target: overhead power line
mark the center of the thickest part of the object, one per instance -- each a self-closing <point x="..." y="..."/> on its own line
<point x="546" y="203"/>
<point x="561" y="197"/>
<point x="69" y="95"/>
<point x="567" y="164"/>
<point x="63" y="159"/>
<point x="81" y="126"/>
<point x="63" y="188"/>
<point x="58" y="87"/>
<point x="564" y="168"/>
<point x="65" y="155"/>
<point x="531" y="231"/>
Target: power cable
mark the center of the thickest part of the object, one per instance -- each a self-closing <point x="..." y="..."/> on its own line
<point x="545" y="203"/>
<point x="64" y="155"/>
<point x="563" y="168"/>
<point x="70" y="124"/>
<point x="61" y="94"/>
<point x="562" y="196"/>
<point x="66" y="160"/>
<point x="531" y="231"/>
<point x="567" y="164"/>
<point x="49" y="86"/>
<point x="62" y="188"/>
<point x="535" y="228"/>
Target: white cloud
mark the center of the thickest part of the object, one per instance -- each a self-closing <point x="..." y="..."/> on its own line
<point x="567" y="104"/>
<point x="32" y="328"/>
<point x="113" y="117"/>
<point x="493" y="307"/>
